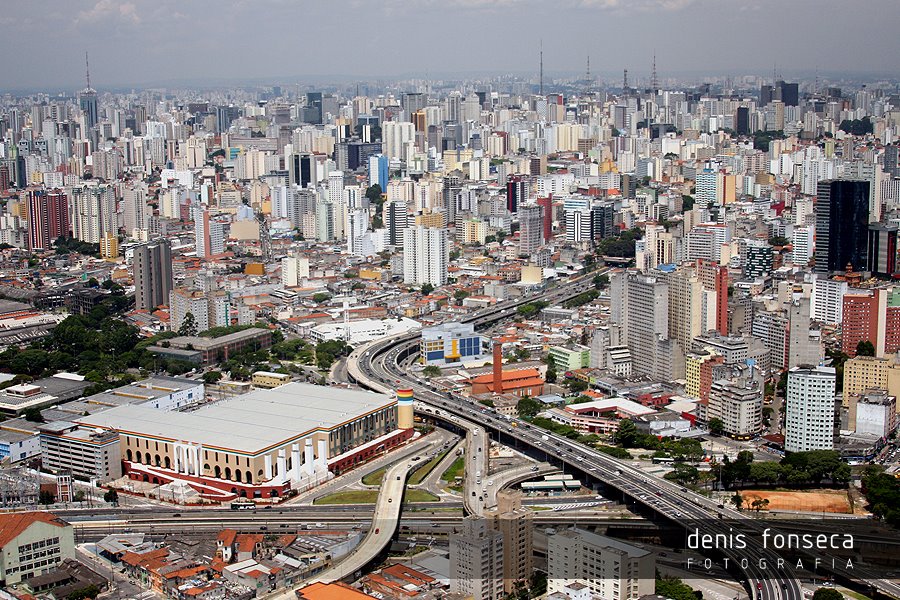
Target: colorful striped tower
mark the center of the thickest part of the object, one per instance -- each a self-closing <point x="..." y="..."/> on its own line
<point x="405" y="409"/>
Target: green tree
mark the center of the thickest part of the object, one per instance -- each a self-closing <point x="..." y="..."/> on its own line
<point x="576" y="385"/>
<point x="684" y="474"/>
<point x="211" y="377"/>
<point x="460" y="295"/>
<point x="321" y="297"/>
<point x="827" y="594"/>
<point x="865" y="348"/>
<point x="188" y="325"/>
<point x="89" y="591"/>
<point x="627" y="434"/>
<point x="79" y="496"/>
<point x="615" y="452"/>
<point x="766" y="472"/>
<point x="34" y="415"/>
<point x="46" y="497"/>
<point x="427" y="288"/>
<point x="737" y="500"/>
<point x="30" y="362"/>
<point x="528" y="407"/>
<point x="111" y="496"/>
<point x="716" y="426"/>
<point x="759" y="503"/>
<point x="675" y="589"/>
<point x="373" y="193"/>
<point x="432" y="371"/>
<point x="551" y="375"/>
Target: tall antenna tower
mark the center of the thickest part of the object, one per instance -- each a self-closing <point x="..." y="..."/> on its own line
<point x="87" y="69"/>
<point x="625" y="81"/>
<point x="346" y="320"/>
<point x="654" y="82"/>
<point x="542" y="68"/>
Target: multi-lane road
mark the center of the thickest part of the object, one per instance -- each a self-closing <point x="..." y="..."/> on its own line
<point x="376" y="366"/>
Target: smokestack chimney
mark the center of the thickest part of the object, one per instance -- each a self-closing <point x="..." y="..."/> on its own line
<point x="498" y="367"/>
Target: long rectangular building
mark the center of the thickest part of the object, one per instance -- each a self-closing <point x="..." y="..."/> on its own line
<point x="258" y="443"/>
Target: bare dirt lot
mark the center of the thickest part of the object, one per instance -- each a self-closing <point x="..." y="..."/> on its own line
<point x="829" y="501"/>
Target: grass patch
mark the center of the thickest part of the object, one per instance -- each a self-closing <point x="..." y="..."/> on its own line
<point x="853" y="594"/>
<point x="420" y="496"/>
<point x="422" y="472"/>
<point x="349" y="497"/>
<point x="375" y="477"/>
<point x="539" y="508"/>
<point x="454" y="470"/>
<point x="413" y="551"/>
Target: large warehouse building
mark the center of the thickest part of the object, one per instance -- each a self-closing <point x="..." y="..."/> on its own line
<point x="261" y="444"/>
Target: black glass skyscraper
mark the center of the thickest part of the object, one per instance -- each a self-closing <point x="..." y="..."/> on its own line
<point x="842" y="225"/>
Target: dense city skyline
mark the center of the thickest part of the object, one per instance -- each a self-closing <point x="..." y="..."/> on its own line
<point x="620" y="266"/>
<point x="138" y="42"/>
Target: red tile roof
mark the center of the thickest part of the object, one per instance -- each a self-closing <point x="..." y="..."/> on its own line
<point x="13" y="524"/>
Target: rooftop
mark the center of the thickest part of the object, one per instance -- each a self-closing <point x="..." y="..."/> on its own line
<point x="13" y="524"/>
<point x="205" y="343"/>
<point x="143" y="391"/>
<point x="249" y="423"/>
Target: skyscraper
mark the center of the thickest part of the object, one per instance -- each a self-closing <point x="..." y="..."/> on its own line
<point x="301" y="169"/>
<point x="809" y="422"/>
<point x="789" y="93"/>
<point x="395" y="135"/>
<point x="742" y="120"/>
<point x="608" y="568"/>
<point x="516" y="192"/>
<point x="378" y="171"/>
<point x="152" y="267"/>
<point x="530" y="230"/>
<point x="93" y="212"/>
<point x="516" y="526"/>
<point x="546" y="205"/>
<point x="210" y="235"/>
<point x="396" y="219"/>
<point x="842" y="224"/>
<point x="425" y="256"/>
<point x="137" y="211"/>
<point x="48" y="218"/>
<point x="87" y="100"/>
<point x="881" y="259"/>
<point x="639" y="308"/>
<point x="892" y="160"/>
<point x="476" y="560"/>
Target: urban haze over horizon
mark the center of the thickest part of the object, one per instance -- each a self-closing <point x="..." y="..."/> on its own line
<point x="140" y="43"/>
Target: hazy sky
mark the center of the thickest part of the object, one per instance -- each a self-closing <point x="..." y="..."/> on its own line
<point x="149" y="41"/>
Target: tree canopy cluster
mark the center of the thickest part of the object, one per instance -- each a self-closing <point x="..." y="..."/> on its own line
<point x="628" y="436"/>
<point x="674" y="588"/>
<point x="883" y="494"/>
<point x="532" y="308"/>
<point x="66" y="245"/>
<point x="857" y="126"/>
<point x="621" y="245"/>
<point x="582" y="298"/>
<point x="329" y="351"/>
<point x="796" y="468"/>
